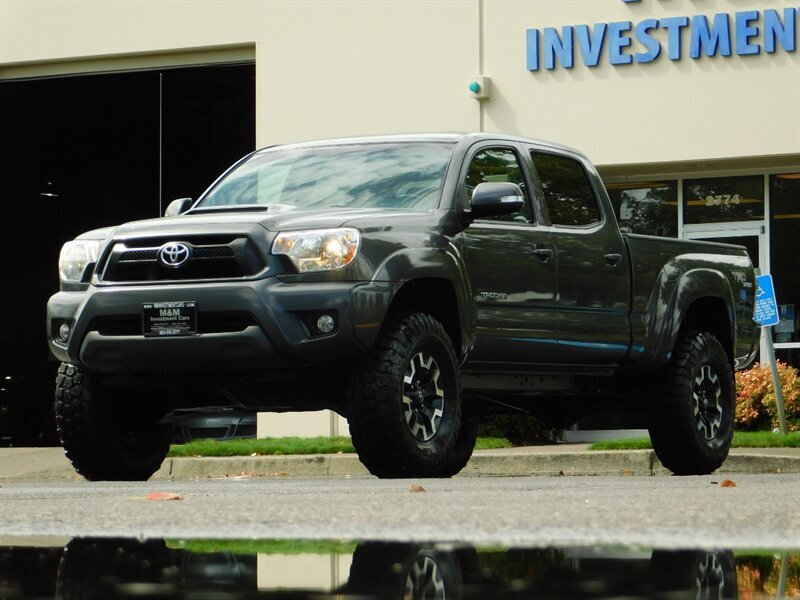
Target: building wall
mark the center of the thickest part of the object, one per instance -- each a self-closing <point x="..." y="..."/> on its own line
<point x="349" y="68"/>
<point x="643" y="113"/>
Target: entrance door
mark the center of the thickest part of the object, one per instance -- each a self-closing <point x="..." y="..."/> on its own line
<point x="752" y="238"/>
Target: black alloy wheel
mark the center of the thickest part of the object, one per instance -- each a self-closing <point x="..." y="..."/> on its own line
<point x="691" y="417"/>
<point x="405" y="401"/>
<point x="423" y="398"/>
<point x="707" y="396"/>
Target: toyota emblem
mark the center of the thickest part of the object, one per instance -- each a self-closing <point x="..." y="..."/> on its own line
<point x="174" y="254"/>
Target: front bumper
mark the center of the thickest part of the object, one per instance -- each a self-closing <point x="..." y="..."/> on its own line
<point x="277" y="336"/>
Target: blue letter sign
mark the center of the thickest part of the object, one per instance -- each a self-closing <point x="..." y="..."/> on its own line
<point x="624" y="42"/>
<point x="766" y="311"/>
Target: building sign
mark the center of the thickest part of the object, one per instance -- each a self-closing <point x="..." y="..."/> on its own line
<point x="742" y="33"/>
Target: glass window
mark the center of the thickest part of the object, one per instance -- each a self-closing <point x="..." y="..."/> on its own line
<point x="567" y="191"/>
<point x="499" y="165"/>
<point x="723" y="199"/>
<point x="402" y="175"/>
<point x="784" y="195"/>
<point x="649" y="207"/>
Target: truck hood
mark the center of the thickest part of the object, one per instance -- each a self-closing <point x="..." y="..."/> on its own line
<point x="273" y="219"/>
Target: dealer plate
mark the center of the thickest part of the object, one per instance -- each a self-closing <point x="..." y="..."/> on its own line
<point x="169" y="319"/>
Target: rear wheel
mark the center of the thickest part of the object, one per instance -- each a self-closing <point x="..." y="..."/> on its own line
<point x="405" y="401"/>
<point x="691" y="426"/>
<point x="106" y="438"/>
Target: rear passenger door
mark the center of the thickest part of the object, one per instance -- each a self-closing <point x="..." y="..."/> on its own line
<point x="511" y="265"/>
<point x="593" y="270"/>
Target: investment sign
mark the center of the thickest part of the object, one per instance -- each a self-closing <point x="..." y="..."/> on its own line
<point x="742" y="33"/>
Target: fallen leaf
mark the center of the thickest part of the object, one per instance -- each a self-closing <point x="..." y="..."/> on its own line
<point x="416" y="489"/>
<point x="164" y="496"/>
<point x="778" y="471"/>
<point x="727" y="483"/>
<point x="280" y="474"/>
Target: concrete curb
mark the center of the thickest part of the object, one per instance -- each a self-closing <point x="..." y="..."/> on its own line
<point x="50" y="464"/>
<point x="483" y="463"/>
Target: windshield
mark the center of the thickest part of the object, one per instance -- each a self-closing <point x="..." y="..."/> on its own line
<point x="390" y="175"/>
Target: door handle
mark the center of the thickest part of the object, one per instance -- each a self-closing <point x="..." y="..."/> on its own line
<point x="613" y="258"/>
<point x="543" y="254"/>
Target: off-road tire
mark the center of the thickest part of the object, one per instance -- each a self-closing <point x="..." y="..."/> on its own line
<point x="101" y="441"/>
<point x="383" y="418"/>
<point x="462" y="451"/>
<point x="691" y="424"/>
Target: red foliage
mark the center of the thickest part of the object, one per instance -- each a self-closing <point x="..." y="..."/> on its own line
<point x="755" y="398"/>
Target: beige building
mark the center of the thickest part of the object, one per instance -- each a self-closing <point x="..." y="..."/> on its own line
<point x="690" y="108"/>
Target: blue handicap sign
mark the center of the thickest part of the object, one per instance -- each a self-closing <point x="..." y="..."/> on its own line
<point x="766" y="310"/>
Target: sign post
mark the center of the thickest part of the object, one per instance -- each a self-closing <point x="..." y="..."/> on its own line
<point x="766" y="315"/>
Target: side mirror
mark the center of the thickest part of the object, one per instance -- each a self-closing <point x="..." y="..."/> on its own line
<point x="491" y="199"/>
<point x="178" y="207"/>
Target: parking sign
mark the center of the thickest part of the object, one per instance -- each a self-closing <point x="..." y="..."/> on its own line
<point x="766" y="310"/>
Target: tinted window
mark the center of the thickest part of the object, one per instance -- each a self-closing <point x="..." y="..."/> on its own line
<point x="723" y="199"/>
<point x="567" y="192"/>
<point x="649" y="207"/>
<point x="402" y="175"/>
<point x="498" y="165"/>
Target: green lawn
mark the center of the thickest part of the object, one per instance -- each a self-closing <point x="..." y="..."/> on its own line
<point x="289" y="445"/>
<point x="335" y="445"/>
<point x="254" y="547"/>
<point x="741" y="439"/>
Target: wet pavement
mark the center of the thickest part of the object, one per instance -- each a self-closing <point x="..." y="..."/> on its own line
<point x="245" y="534"/>
<point x="95" y="568"/>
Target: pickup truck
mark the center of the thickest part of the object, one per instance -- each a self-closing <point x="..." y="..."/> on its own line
<point x="414" y="284"/>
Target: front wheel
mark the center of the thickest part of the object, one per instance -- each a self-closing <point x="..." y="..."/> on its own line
<point x="691" y="426"/>
<point x="107" y="438"/>
<point x="405" y="401"/>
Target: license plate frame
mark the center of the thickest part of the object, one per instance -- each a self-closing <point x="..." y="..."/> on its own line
<point x="169" y="319"/>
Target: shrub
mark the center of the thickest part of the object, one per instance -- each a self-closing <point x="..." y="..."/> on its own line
<point x="755" y="398"/>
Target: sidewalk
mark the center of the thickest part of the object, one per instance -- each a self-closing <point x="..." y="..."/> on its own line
<point x="50" y="464"/>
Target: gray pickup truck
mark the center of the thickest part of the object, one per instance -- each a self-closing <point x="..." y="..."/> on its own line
<point x="413" y="284"/>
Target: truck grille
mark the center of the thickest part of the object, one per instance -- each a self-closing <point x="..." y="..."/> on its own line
<point x="211" y="257"/>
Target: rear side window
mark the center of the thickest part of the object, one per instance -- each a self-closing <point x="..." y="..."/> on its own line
<point x="567" y="191"/>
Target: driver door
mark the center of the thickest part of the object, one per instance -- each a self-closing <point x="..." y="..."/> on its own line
<point x="512" y="267"/>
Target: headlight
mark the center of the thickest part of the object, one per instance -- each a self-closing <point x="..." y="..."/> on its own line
<point x="319" y="250"/>
<point x="75" y="257"/>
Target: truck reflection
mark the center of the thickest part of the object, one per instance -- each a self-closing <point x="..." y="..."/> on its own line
<point x="125" y="568"/>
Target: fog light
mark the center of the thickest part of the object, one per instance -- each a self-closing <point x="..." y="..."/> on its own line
<point x="326" y="323"/>
<point x="63" y="332"/>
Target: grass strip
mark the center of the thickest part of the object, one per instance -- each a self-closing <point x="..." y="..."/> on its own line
<point x="253" y="547"/>
<point x="741" y="439"/>
<point x="263" y="447"/>
<point x="289" y="445"/>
